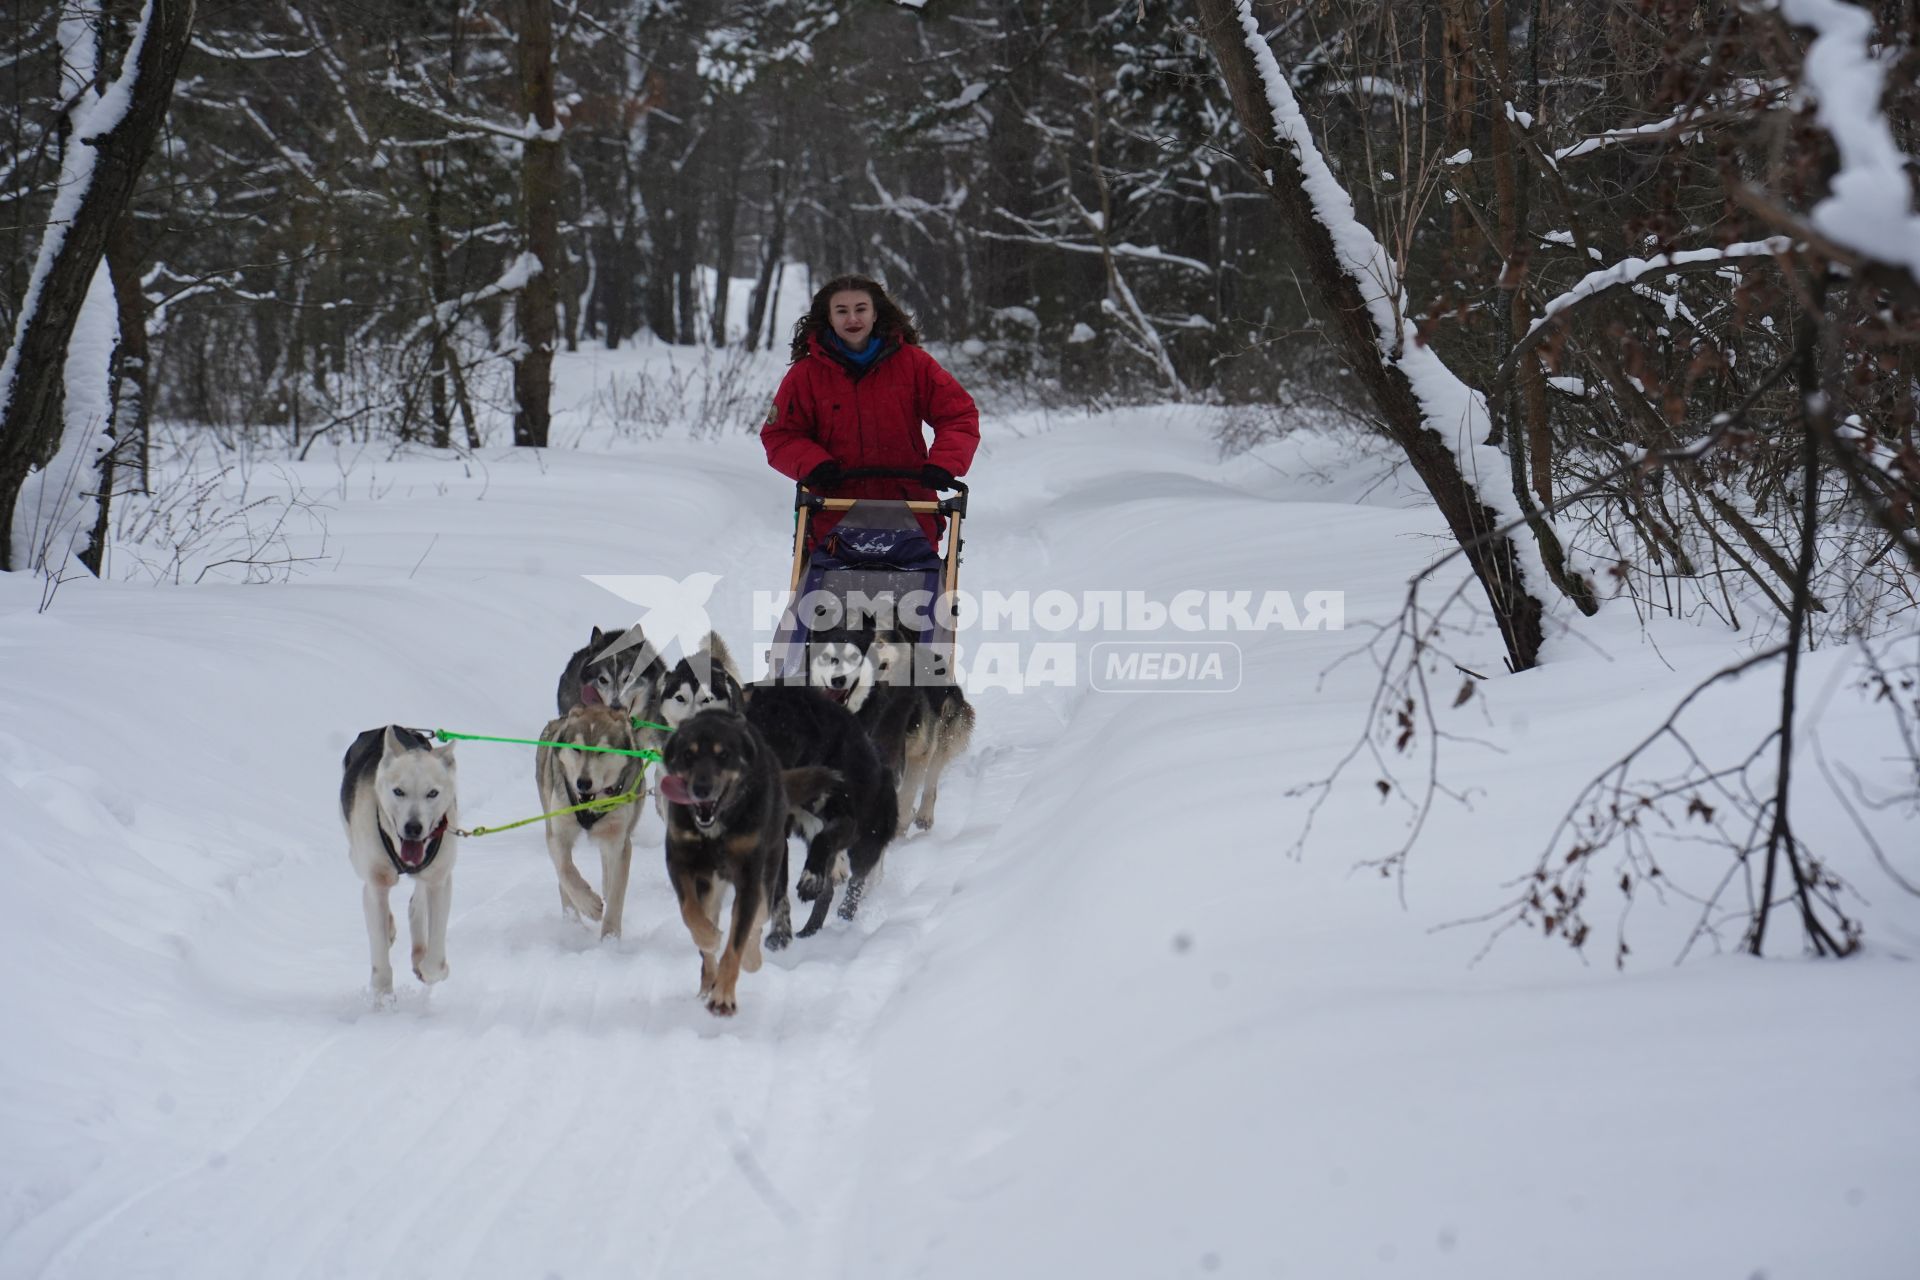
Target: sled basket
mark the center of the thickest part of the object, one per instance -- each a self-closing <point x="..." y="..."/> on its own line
<point x="874" y="570"/>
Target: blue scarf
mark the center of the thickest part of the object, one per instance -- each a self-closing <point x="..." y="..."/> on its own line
<point x="863" y="357"/>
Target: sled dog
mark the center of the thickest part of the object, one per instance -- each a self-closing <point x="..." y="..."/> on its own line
<point x="691" y="685"/>
<point x="916" y="728"/>
<point x="726" y="826"/>
<point x="708" y="678"/>
<point x="397" y="801"/>
<point x="567" y="777"/>
<point x="617" y="667"/>
<point x="857" y="817"/>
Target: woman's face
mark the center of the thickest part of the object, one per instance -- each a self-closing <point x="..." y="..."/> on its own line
<point x="852" y="314"/>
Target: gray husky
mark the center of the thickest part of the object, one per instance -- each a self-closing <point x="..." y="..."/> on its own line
<point x="397" y="800"/>
<point x="617" y="667"/>
<point x="567" y="777"/>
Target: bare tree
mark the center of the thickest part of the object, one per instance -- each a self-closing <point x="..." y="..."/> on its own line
<point x="1430" y="414"/>
<point x="109" y="146"/>
<point x="540" y="176"/>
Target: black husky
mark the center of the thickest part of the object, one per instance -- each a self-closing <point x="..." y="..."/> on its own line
<point x="807" y="728"/>
<point x="916" y="725"/>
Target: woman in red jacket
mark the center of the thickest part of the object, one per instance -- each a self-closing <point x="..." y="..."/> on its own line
<point x="857" y="395"/>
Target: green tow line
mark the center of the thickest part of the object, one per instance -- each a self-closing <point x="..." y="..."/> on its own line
<point x="599" y="804"/>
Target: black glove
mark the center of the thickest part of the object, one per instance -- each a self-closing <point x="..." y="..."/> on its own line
<point x="825" y="477"/>
<point x="936" y="477"/>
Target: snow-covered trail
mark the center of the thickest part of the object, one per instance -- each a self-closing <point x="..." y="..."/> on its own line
<point x="1096" y="1019"/>
<point x="558" y="1105"/>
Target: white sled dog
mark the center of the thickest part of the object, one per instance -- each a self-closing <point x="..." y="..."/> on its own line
<point x="567" y="777"/>
<point x="397" y="801"/>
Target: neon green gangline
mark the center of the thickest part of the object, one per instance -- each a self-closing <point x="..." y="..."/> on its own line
<point x="599" y="804"/>
<point x="644" y="753"/>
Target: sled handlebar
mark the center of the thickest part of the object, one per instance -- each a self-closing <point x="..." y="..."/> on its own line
<point x="805" y="497"/>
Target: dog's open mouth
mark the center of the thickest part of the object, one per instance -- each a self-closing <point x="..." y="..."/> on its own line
<point x="675" y="789"/>
<point x="413" y="853"/>
<point x="838" y="694"/>
<point x="589" y="695"/>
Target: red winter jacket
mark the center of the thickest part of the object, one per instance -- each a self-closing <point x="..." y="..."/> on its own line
<point x="823" y="413"/>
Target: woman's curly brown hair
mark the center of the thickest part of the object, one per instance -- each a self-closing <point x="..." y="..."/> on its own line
<point x="889" y="317"/>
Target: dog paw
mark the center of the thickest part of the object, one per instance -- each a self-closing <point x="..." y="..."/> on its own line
<point x="431" y="973"/>
<point x="720" y="1008"/>
<point x="809" y="885"/>
<point x="381" y="986"/>
<point x="923" y="823"/>
<point x="779" y="939"/>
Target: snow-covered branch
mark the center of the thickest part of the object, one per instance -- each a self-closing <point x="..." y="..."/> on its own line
<point x="530" y="131"/>
<point x="1628" y="270"/>
<point x="515" y="277"/>
<point x="1869" y="207"/>
<point x="1673" y="126"/>
<point x="248" y="55"/>
<point x="1136" y="252"/>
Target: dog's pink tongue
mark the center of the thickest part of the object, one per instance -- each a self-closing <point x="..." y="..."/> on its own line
<point x="413" y="852"/>
<point x="589" y="695"/>
<point x="674" y="788"/>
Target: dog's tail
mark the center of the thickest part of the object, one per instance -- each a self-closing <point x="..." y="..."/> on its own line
<point x="809" y="788"/>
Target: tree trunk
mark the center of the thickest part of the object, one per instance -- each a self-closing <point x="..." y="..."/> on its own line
<point x="773" y="312"/>
<point x="723" y="243"/>
<point x="32" y="376"/>
<point x="1534" y="445"/>
<point x="1376" y="356"/>
<point x="686" y="279"/>
<point x="1457" y="70"/>
<point x="540" y="173"/>
<point x="437" y="288"/>
<point x="769" y="259"/>
<point x="132" y="380"/>
<point x="127" y="398"/>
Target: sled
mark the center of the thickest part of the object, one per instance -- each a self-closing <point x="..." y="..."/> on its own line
<point x="877" y="554"/>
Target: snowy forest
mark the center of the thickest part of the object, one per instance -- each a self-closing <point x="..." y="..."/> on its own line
<point x="1619" y="223"/>
<point x="1577" y="345"/>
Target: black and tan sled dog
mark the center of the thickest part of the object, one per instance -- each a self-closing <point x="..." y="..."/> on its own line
<point x="727" y="806"/>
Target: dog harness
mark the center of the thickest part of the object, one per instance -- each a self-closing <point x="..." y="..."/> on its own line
<point x="433" y="849"/>
<point x="588" y="817"/>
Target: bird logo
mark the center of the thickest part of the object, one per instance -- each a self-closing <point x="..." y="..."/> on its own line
<point x="673" y="615"/>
